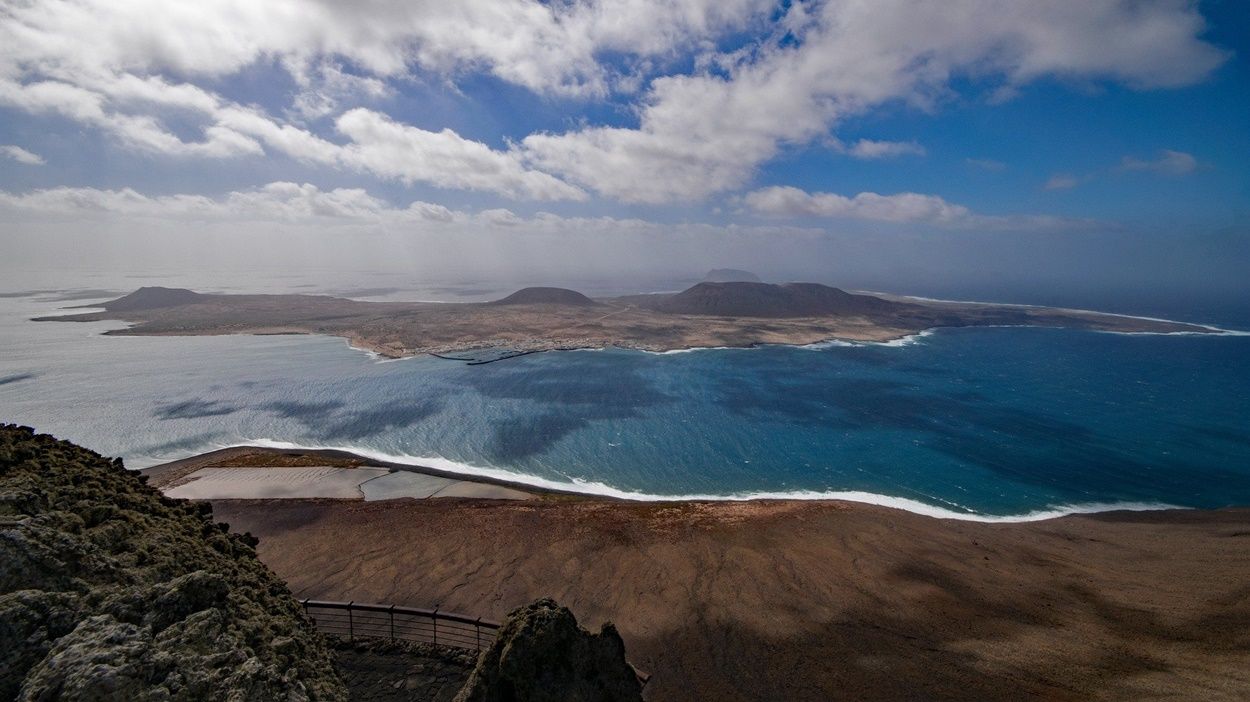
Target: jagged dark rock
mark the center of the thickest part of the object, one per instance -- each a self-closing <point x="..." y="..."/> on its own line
<point x="542" y="655"/>
<point x="380" y="670"/>
<point x="109" y="591"/>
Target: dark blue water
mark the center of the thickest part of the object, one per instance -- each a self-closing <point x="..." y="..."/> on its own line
<point x="984" y="422"/>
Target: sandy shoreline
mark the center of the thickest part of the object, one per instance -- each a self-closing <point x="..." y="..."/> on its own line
<point x="500" y="483"/>
<point x="251" y="461"/>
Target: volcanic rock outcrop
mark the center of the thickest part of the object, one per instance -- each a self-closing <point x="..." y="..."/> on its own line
<point x="109" y="591"/>
<point x="542" y="655"/>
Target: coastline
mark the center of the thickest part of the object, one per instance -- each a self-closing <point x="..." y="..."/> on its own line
<point x="1079" y="310"/>
<point x="548" y="319"/>
<point x="380" y="354"/>
<point x="170" y="472"/>
<point x="727" y="598"/>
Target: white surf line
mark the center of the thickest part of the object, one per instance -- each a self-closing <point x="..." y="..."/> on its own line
<point x="692" y="349"/>
<point x="1215" y="331"/>
<point x="907" y="340"/>
<point x="373" y="355"/>
<point x="595" y="488"/>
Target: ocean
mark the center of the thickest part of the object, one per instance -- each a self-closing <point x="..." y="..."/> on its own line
<point x="1007" y="423"/>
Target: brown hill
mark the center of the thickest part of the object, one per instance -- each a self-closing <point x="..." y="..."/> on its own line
<point x="546" y="296"/>
<point x="150" y="298"/>
<point x="768" y="300"/>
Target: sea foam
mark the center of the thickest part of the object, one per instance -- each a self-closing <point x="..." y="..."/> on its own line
<point x="599" y="489"/>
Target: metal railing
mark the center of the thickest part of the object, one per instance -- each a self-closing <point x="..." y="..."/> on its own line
<point x="352" y="620"/>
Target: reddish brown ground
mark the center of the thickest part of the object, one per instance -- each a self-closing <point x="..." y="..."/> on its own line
<point x="814" y="601"/>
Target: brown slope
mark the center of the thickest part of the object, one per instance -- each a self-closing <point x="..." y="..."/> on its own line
<point x="815" y="600"/>
<point x="546" y="296"/>
<point x="149" y="298"/>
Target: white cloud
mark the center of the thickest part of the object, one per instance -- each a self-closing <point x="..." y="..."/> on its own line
<point x="299" y="203"/>
<point x="124" y="67"/>
<point x="326" y="85"/>
<point x="986" y="164"/>
<point x="377" y="144"/>
<point x="139" y="130"/>
<point x="389" y="149"/>
<point x="870" y="149"/>
<point x="547" y="47"/>
<point x="273" y="202"/>
<point x="899" y="208"/>
<point x="1061" y="181"/>
<point x="500" y="217"/>
<point x="1168" y="163"/>
<point x="903" y="207"/>
<point x="706" y="133"/>
<point x="130" y="68"/>
<point x="21" y="155"/>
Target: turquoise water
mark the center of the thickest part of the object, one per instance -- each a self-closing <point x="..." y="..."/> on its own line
<point x="991" y="422"/>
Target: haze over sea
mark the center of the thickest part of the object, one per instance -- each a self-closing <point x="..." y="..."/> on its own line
<point x="978" y="423"/>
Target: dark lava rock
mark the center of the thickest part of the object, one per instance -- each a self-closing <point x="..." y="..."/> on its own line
<point x="379" y="670"/>
<point x="110" y="591"/>
<point x="542" y="655"/>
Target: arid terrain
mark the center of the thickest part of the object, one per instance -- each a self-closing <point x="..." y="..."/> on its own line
<point x="813" y="600"/>
<point x="797" y="600"/>
<point x="732" y="314"/>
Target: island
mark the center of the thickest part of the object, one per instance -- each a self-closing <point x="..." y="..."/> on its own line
<point x="732" y="314"/>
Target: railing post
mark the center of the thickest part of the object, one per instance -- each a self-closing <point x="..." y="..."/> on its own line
<point x="372" y="628"/>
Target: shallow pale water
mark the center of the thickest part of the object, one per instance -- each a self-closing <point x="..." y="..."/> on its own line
<point x="974" y="422"/>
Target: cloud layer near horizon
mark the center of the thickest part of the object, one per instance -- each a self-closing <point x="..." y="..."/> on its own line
<point x="295" y="202"/>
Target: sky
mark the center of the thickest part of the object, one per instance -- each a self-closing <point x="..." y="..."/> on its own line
<point x="906" y="144"/>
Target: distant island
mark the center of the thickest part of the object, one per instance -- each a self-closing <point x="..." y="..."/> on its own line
<point x="709" y="314"/>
